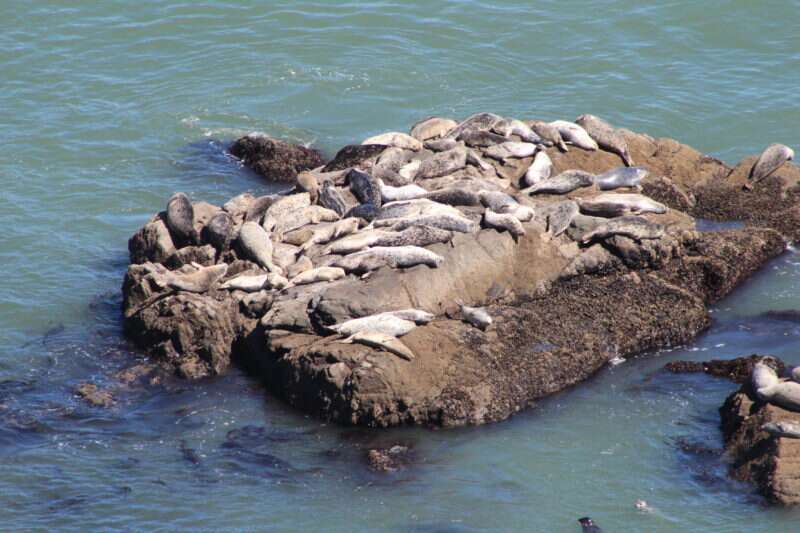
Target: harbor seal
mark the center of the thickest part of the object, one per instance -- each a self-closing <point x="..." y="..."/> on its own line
<point x="782" y="429"/>
<point x="382" y="341"/>
<point x="331" y="232"/>
<point x="611" y="205"/>
<point x="475" y="138"/>
<point x="432" y="128"/>
<point x="559" y="216"/>
<point x="769" y="161"/>
<point x="259" y="206"/>
<point x="409" y="171"/>
<point x="495" y="200"/>
<point x="784" y="394"/>
<point x="331" y="198"/>
<point x="392" y="257"/>
<point x="364" y="187"/>
<point x="366" y="211"/>
<point x="442" y="164"/>
<point x="540" y="169"/>
<point x="621" y="177"/>
<point x="549" y="134"/>
<point x="416" y="207"/>
<point x="219" y="231"/>
<point x="588" y="525"/>
<point x="307" y="182"/>
<point x="564" y="183"/>
<point x="575" y="135"/>
<point x="198" y="281"/>
<point x="257" y="246"/>
<point x="511" y="126"/>
<point x="312" y="214"/>
<point x="503" y="221"/>
<point x="608" y="138"/>
<point x="248" y="283"/>
<point x="763" y="376"/>
<point x="523" y="213"/>
<point x="416" y="235"/>
<point x="633" y="227"/>
<point x="405" y="192"/>
<point x="444" y="221"/>
<point x="454" y="196"/>
<point x="478" y="317"/>
<point x="317" y="274"/>
<point x="180" y="220"/>
<point x="386" y="323"/>
<point x="396" y="139"/>
<point x="473" y="158"/>
<point x="511" y="149"/>
<point x="478" y="121"/>
<point x="356" y="242"/>
<point x="442" y="145"/>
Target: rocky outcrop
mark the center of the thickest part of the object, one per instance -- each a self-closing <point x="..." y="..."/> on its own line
<point x="565" y="289"/>
<point x="274" y="159"/>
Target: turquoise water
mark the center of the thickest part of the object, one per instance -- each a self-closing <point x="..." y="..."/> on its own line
<point x="107" y="108"/>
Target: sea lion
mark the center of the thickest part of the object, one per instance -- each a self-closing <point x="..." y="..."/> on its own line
<point x="393" y="257"/>
<point x="331" y="232"/>
<point x="633" y="227"/>
<point x="511" y="149"/>
<point x="180" y="220"/>
<point x="256" y="245"/>
<point x="331" y="198"/>
<point x="382" y="341"/>
<point x="564" y="183"/>
<point x="307" y="182"/>
<point x="317" y="274"/>
<point x="475" y="138"/>
<point x="238" y="205"/>
<point x="248" y="283"/>
<point x="364" y="187"/>
<point x="511" y="126"/>
<point x="621" y="177"/>
<point x="385" y="323"/>
<point x="441" y="145"/>
<point x="503" y="221"/>
<point x="478" y="317"/>
<point x="608" y="138"/>
<point x="219" y="231"/>
<point x="540" y="170"/>
<point x="397" y="139"/>
<point x="549" y="134"/>
<point x="454" y="196"/>
<point x="366" y="211"/>
<point x="575" y="135"/>
<point x="406" y="192"/>
<point x="432" y="128"/>
<point x="448" y="222"/>
<point x="769" y="161"/>
<point x="782" y="429"/>
<point x="198" y="281"/>
<point x="442" y="164"/>
<point x="611" y="205"/>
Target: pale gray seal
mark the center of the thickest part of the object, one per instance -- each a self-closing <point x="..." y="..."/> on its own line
<point x="783" y="429"/>
<point x="382" y="341"/>
<point x="478" y="317"/>
<point x="496" y="200"/>
<point x="416" y="235"/>
<point x="549" y="134"/>
<point x="364" y="187"/>
<point x="405" y="192"/>
<point x="611" y="205"/>
<point x="769" y="161"/>
<point x="219" y="231"/>
<point x="441" y="145"/>
<point x="784" y="394"/>
<point x="511" y="149"/>
<point x="180" y="220"/>
<point x="250" y="283"/>
<point x="445" y="221"/>
<point x="559" y="216"/>
<point x="396" y="139"/>
<point x="393" y="257"/>
<point x="503" y="221"/>
<point x="198" y="281"/>
<point x="443" y="163"/>
<point x="636" y="228"/>
<point x="575" y="135"/>
<point x="480" y="138"/>
<point x="607" y="137"/>
<point x="331" y="198"/>
<point x="331" y="232"/>
<point x="416" y="207"/>
<point x="432" y="128"/>
<point x="386" y="323"/>
<point x="540" y="170"/>
<point x="317" y="274"/>
<point x="511" y="126"/>
<point x="257" y="246"/>
<point x="763" y="376"/>
<point x="566" y="182"/>
<point x="621" y="177"/>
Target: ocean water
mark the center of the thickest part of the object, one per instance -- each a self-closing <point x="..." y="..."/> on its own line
<point x="107" y="108"/>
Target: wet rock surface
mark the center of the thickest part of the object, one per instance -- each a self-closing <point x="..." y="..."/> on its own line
<point x="566" y="290"/>
<point x="274" y="159"/>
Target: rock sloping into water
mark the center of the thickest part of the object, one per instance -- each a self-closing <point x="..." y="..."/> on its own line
<point x="570" y="280"/>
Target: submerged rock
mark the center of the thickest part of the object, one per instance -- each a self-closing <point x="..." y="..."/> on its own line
<point x="274" y="159"/>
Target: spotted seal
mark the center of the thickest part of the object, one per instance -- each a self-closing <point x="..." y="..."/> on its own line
<point x="769" y="161"/>
<point x="395" y="138"/>
<point x="307" y="182"/>
<point x="393" y="257"/>
<point x="331" y="232"/>
<point x="180" y="220"/>
<point x="198" y="281"/>
<point x="503" y="221"/>
<point x="367" y="212"/>
<point x="364" y="187"/>
<point x="615" y="205"/>
<point x="607" y="137"/>
<point x="250" y="283"/>
<point x="316" y="275"/>
<point x="575" y="135"/>
<point x="387" y="323"/>
<point x="549" y="134"/>
<point x="540" y="169"/>
<point x="633" y="227"/>
<point x="784" y="394"/>
<point x="454" y="196"/>
<point x="621" y="177"/>
<point x="382" y="341"/>
<point x="444" y="221"/>
<point x="257" y="246"/>
<point x="405" y="192"/>
<point x="564" y="183"/>
<point x="511" y="149"/>
<point x="432" y="128"/>
<point x="442" y="164"/>
<point x="331" y="198"/>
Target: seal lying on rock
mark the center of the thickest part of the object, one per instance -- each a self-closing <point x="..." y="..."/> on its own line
<point x="307" y="182"/>
<point x="432" y="128"/>
<point x="382" y="341"/>
<point x="480" y="138"/>
<point x="198" y="281"/>
<point x="317" y="274"/>
<point x="416" y="207"/>
<point x="549" y="134"/>
<point x="566" y="182"/>
<point x="393" y="257"/>
<point x="606" y="136"/>
<point x="511" y="149"/>
<point x="495" y="199"/>
<point x="511" y="126"/>
<point x="615" y="205"/>
<point x="621" y="177"/>
<point x="476" y="316"/>
<point x="575" y="135"/>
<point x="331" y="232"/>
<point x="257" y="246"/>
<point x="540" y="170"/>
<point x="330" y="198"/>
<point x="769" y="161"/>
<point x="180" y="220"/>
<point x="782" y="429"/>
<point x="636" y="228"/>
<point x="444" y="221"/>
<point x="442" y="164"/>
<point x="763" y="376"/>
<point x="784" y="394"/>
<point x="397" y="139"/>
<point x="406" y="192"/>
<point x="454" y="196"/>
<point x="249" y="283"/>
<point x="366" y="211"/>
<point x="364" y="187"/>
<point x="386" y="323"/>
<point x="503" y="221"/>
<point x="219" y="231"/>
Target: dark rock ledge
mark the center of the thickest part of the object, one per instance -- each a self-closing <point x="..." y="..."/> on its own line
<point x="561" y="307"/>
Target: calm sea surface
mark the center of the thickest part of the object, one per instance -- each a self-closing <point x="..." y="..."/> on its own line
<point x="107" y="108"/>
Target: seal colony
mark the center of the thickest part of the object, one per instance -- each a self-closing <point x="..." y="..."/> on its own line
<point x="455" y="274"/>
